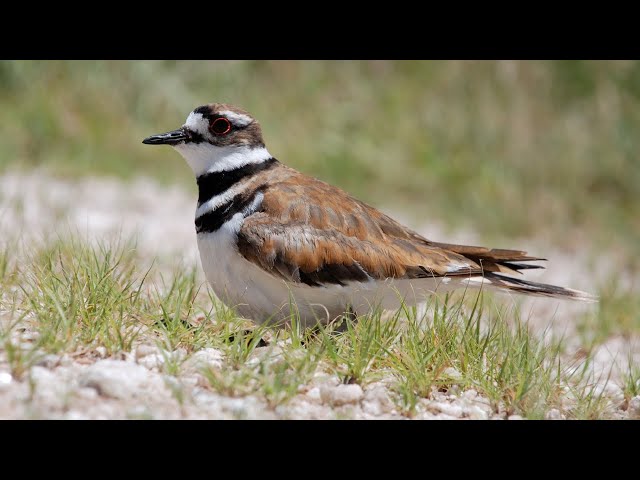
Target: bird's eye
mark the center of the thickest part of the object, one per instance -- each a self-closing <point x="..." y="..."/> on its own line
<point x="220" y="126"/>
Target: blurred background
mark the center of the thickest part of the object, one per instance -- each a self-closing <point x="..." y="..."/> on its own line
<point x="505" y="149"/>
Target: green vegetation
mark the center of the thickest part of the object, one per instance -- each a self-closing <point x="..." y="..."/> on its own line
<point x="617" y="314"/>
<point x="504" y="148"/>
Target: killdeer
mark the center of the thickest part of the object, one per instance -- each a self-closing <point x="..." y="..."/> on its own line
<point x="271" y="237"/>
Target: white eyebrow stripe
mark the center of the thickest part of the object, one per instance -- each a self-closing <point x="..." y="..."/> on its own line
<point x="238" y="119"/>
<point x="197" y="123"/>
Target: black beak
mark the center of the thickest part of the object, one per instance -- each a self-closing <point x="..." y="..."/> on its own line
<point x="169" y="138"/>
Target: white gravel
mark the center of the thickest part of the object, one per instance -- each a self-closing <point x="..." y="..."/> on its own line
<point x="119" y="379"/>
<point x="205" y="358"/>
<point x="159" y="217"/>
<point x="554" y="414"/>
<point x="341" y="394"/>
<point x="634" y="408"/>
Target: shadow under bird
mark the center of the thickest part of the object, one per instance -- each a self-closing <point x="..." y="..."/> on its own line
<point x="271" y="237"/>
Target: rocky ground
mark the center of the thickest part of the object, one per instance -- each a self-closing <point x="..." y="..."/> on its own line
<point x="134" y="387"/>
<point x="91" y="384"/>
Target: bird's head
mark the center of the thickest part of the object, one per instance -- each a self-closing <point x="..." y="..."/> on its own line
<point x="216" y="137"/>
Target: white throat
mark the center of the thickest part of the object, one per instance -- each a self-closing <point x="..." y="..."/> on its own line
<point x="206" y="158"/>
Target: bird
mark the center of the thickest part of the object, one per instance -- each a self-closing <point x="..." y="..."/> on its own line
<point x="277" y="244"/>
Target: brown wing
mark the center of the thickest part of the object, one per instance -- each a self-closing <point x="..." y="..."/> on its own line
<point x="311" y="232"/>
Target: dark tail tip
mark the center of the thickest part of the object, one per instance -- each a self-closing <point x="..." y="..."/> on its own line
<point x="538" y="289"/>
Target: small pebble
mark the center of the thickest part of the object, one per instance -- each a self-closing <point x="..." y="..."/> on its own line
<point x="634" y="408"/>
<point x="205" y="358"/>
<point x="341" y="394"/>
<point x="65" y="360"/>
<point x="86" y="393"/>
<point x="49" y="361"/>
<point x="452" y="373"/>
<point x="304" y="410"/>
<point x="470" y="394"/>
<point x="446" y="408"/>
<point x="153" y="361"/>
<point x="477" y="413"/>
<point x="314" y="394"/>
<point x="75" y="415"/>
<point x="377" y="402"/>
<point x="144" y="350"/>
<point x="117" y="379"/>
<point x="5" y="380"/>
<point x="372" y="408"/>
<point x="444" y="416"/>
<point x="554" y="414"/>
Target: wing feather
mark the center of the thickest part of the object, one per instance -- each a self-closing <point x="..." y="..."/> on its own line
<point x="307" y="231"/>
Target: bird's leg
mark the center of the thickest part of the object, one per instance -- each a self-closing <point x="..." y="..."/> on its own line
<point x="340" y="323"/>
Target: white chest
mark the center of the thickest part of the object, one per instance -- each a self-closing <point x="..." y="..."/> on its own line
<point x="255" y="293"/>
<point x="237" y="282"/>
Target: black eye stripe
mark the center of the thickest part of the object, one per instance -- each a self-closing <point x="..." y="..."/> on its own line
<point x="194" y="137"/>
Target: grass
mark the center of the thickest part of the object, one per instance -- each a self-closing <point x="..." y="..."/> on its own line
<point x="507" y="149"/>
<point x="617" y="313"/>
<point x="356" y="355"/>
<point x="631" y="383"/>
<point x="72" y="298"/>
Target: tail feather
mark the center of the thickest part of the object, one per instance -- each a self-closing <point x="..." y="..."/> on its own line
<point x="496" y="262"/>
<point x="538" y="289"/>
<point x="516" y="267"/>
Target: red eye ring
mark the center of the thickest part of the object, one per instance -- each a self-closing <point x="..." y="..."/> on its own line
<point x="220" y="126"/>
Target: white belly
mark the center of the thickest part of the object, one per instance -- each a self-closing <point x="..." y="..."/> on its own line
<point x="262" y="297"/>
